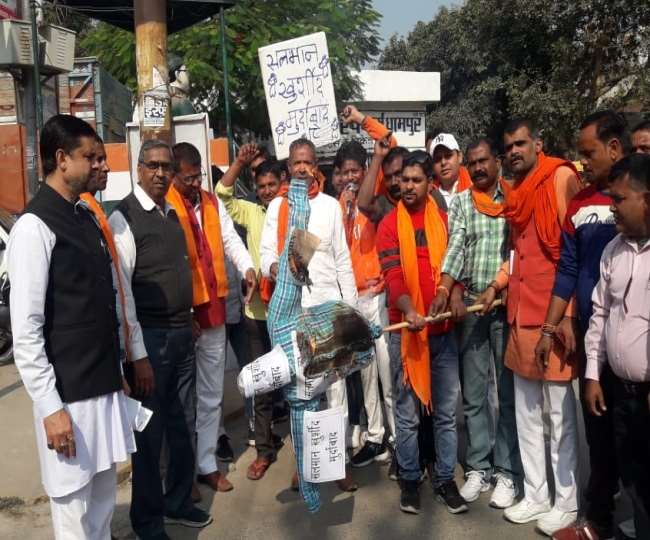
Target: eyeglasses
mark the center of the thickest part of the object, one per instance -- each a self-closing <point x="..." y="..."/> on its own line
<point x="166" y="166"/>
<point x="189" y="180"/>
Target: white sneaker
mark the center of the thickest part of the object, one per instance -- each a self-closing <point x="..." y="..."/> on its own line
<point x="525" y="511"/>
<point x="474" y="485"/>
<point x="555" y="520"/>
<point x="505" y="492"/>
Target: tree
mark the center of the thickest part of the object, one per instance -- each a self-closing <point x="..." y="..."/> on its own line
<point x="350" y="26"/>
<point x="552" y="61"/>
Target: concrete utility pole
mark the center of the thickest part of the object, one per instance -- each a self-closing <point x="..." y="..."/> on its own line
<point x="154" y="102"/>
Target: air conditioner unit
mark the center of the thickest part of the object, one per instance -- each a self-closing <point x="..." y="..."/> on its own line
<point x="15" y="43"/>
<point x="58" y="51"/>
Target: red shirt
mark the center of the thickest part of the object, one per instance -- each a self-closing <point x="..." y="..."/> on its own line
<point x="389" y="258"/>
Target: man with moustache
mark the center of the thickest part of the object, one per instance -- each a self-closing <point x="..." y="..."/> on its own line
<point x="478" y="246"/>
<point x="535" y="209"/>
<point x="588" y="228"/>
<point x="65" y="332"/>
<point x="158" y="294"/>
<point x="330" y="269"/>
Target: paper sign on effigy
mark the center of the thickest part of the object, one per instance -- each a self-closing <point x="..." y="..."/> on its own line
<point x="299" y="92"/>
<point x="308" y="387"/>
<point x="323" y="440"/>
<point x="267" y="373"/>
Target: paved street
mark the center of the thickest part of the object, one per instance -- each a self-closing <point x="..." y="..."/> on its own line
<point x="264" y="510"/>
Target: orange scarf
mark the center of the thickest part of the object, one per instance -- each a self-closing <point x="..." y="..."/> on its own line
<point x="101" y="218"/>
<point x="267" y="285"/>
<point x="536" y="195"/>
<point x="464" y="180"/>
<point x="485" y="204"/>
<point x="212" y="232"/>
<point x="415" y="345"/>
<point x="360" y="234"/>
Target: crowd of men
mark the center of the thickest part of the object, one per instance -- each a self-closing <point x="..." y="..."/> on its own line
<point x="536" y="275"/>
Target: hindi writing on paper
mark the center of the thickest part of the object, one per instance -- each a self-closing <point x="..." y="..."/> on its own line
<point x="267" y="373"/>
<point x="323" y="441"/>
<point x="299" y="92"/>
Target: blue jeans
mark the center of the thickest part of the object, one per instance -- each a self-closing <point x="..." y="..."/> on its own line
<point x="482" y="342"/>
<point x="445" y="388"/>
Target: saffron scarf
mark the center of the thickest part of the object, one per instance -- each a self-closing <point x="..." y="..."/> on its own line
<point x="485" y="204"/>
<point x="463" y="182"/>
<point x="101" y="218"/>
<point x="212" y="232"/>
<point x="536" y="195"/>
<point x="415" y="345"/>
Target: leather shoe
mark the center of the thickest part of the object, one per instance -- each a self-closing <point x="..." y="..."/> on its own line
<point x="216" y="480"/>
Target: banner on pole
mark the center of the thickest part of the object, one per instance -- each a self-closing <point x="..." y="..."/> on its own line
<point x="299" y="92"/>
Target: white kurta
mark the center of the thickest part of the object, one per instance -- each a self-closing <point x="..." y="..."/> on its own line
<point x="102" y="431"/>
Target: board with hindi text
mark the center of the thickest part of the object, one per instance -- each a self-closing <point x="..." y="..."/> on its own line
<point x="299" y="92"/>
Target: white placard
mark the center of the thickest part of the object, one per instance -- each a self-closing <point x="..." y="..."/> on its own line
<point x="269" y="372"/>
<point x="139" y="416"/>
<point x="323" y="440"/>
<point x="299" y="92"/>
<point x="308" y="387"/>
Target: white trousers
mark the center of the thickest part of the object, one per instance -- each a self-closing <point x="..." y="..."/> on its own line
<point x="373" y="307"/>
<point x="86" y="514"/>
<point x="531" y="397"/>
<point x="210" y="369"/>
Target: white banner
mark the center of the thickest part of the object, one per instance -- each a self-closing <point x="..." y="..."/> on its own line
<point x="299" y="92"/>
<point x="323" y="440"/>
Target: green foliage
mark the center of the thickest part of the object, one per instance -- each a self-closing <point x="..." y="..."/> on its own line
<point x="552" y="61"/>
<point x="350" y="26"/>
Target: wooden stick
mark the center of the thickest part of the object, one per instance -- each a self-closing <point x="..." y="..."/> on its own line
<point x="441" y="317"/>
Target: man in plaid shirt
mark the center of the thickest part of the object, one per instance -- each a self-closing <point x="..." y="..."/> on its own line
<point x="478" y="246"/>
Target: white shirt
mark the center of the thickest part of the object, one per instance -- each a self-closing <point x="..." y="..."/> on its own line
<point x="125" y="244"/>
<point x="102" y="431"/>
<point x="331" y="267"/>
<point x="449" y="195"/>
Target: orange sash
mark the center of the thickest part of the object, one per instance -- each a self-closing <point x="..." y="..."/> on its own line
<point x="536" y="194"/>
<point x="415" y="345"/>
<point x="212" y="232"/>
<point x="101" y="218"/>
<point x="360" y="235"/>
<point x="485" y="204"/>
<point x="464" y="180"/>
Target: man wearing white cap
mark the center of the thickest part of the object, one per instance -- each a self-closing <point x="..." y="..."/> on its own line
<point x="450" y="176"/>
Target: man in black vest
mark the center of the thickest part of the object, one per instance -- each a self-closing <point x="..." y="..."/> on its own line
<point x="158" y="300"/>
<point x="65" y="332"/>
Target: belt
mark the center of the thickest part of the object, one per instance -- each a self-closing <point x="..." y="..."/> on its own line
<point x="633" y="388"/>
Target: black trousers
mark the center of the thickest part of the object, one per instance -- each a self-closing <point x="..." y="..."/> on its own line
<point x="171" y="353"/>
<point x="258" y="338"/>
<point x="631" y="415"/>
<point x="604" y="475"/>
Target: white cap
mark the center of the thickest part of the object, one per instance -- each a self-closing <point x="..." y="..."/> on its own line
<point x="444" y="139"/>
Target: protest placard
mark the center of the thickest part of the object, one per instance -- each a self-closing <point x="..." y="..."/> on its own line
<point x="265" y="374"/>
<point x="308" y="387"/>
<point x="299" y="92"/>
<point x="323" y="440"/>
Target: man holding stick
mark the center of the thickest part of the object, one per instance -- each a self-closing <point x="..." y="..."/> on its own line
<point x="411" y="242"/>
<point x="478" y="244"/>
<point x="535" y="207"/>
